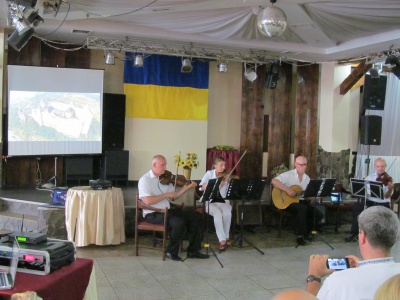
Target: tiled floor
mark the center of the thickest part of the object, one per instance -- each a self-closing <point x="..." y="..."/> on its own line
<point x="246" y="273"/>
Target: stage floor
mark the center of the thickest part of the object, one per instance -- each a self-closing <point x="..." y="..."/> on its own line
<point x="44" y="195"/>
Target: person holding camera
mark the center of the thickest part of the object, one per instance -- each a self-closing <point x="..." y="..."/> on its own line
<point x="379" y="231"/>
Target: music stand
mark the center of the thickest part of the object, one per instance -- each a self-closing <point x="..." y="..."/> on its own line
<point x="245" y="189"/>
<point x="211" y="195"/>
<point x="318" y="188"/>
<point x="362" y="188"/>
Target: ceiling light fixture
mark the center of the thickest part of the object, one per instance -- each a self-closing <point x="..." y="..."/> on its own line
<point x="110" y="58"/>
<point x="222" y="66"/>
<point x="138" y="61"/>
<point x="186" y="66"/>
<point x="272" y="21"/>
<point x="250" y="73"/>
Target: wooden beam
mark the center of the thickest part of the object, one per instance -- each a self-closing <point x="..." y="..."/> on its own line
<point x="354" y="76"/>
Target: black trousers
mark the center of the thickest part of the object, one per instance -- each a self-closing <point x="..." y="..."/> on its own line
<point x="357" y="210"/>
<point x="304" y="213"/>
<point x="181" y="223"/>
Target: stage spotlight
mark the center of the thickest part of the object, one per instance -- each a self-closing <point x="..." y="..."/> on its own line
<point x="249" y="73"/>
<point x="222" y="66"/>
<point x="18" y="41"/>
<point x="186" y="66"/>
<point x="138" y="62"/>
<point x="273" y="76"/>
<point x="394" y="62"/>
<point x="110" y="58"/>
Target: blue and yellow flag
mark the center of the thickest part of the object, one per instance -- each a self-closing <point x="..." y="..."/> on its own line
<point x="159" y="90"/>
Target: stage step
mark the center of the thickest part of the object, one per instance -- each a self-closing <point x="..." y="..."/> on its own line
<point x="20" y="215"/>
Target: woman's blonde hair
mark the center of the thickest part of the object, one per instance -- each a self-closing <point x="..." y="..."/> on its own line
<point x="389" y="290"/>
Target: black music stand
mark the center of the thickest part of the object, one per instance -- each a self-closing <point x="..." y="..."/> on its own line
<point x="245" y="189"/>
<point x="318" y="188"/>
<point x="211" y="195"/>
<point x="362" y="188"/>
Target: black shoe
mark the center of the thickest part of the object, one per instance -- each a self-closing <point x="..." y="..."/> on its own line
<point x="197" y="254"/>
<point x="300" y="240"/>
<point x="173" y="257"/>
<point x="351" y="238"/>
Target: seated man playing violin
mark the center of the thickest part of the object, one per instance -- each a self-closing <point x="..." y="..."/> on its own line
<point x="379" y="175"/>
<point x="180" y="222"/>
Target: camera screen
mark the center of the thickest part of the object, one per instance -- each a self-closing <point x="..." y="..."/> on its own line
<point x="337" y="263"/>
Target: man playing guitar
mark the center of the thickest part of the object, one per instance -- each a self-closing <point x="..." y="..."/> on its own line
<point x="290" y="185"/>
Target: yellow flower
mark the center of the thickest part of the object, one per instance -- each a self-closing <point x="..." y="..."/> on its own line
<point x="190" y="162"/>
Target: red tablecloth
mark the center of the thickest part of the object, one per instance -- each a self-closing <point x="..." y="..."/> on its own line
<point x="231" y="158"/>
<point x="69" y="282"/>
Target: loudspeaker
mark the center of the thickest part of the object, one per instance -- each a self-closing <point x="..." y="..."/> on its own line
<point x="114" y="166"/>
<point x="252" y="212"/>
<point x="113" y="121"/>
<point x="374" y="92"/>
<point x="78" y="168"/>
<point x="371" y="129"/>
<point x="272" y="76"/>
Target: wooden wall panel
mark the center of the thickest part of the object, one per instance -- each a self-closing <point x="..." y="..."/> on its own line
<point x="78" y="59"/>
<point x="51" y="57"/>
<point x="306" y="115"/>
<point x="251" y="136"/>
<point x="28" y="56"/>
<point x="280" y="120"/>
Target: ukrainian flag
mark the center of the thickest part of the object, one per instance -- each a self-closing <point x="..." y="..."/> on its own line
<point x="159" y="90"/>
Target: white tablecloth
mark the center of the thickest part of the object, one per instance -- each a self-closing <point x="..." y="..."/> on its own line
<point x="95" y="216"/>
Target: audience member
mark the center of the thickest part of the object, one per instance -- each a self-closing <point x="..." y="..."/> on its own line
<point x="389" y="290"/>
<point x="379" y="231"/>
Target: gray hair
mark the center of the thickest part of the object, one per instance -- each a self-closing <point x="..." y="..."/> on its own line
<point x="381" y="226"/>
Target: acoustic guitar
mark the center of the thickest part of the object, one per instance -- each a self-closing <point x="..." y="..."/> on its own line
<point x="282" y="200"/>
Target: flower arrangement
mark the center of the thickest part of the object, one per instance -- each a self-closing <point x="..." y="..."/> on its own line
<point x="190" y="162"/>
<point x="278" y="170"/>
<point x="223" y="147"/>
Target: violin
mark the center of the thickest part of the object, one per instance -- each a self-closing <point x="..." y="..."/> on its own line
<point x="385" y="178"/>
<point x="168" y="178"/>
<point x="226" y="176"/>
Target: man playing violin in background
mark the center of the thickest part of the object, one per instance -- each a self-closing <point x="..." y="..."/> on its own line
<point x="379" y="175"/>
<point x="180" y="222"/>
<point x="303" y="210"/>
<point x="221" y="209"/>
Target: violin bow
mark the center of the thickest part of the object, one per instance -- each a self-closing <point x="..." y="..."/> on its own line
<point x="230" y="173"/>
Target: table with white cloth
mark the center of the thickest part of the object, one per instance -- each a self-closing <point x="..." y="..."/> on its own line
<point x="95" y="216"/>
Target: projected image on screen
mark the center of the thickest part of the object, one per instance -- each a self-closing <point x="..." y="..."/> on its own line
<point x="54" y="111"/>
<point x="45" y="116"/>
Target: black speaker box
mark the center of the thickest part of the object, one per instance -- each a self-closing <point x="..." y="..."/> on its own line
<point x="252" y="212"/>
<point x="374" y="92"/>
<point x="78" y="168"/>
<point x="114" y="107"/>
<point x="371" y="129"/>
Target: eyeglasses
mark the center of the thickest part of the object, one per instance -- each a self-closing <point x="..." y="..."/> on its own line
<point x="302" y="165"/>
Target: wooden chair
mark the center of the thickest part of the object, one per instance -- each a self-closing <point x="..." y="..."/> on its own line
<point x="142" y="224"/>
<point x="395" y="198"/>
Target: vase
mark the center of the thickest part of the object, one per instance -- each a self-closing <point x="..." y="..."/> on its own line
<point x="187" y="172"/>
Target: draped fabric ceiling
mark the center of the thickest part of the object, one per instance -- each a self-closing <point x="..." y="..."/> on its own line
<point x="317" y="30"/>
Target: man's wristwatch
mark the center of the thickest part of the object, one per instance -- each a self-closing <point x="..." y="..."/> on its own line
<point x="312" y="278"/>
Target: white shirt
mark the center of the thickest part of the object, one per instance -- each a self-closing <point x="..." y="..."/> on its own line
<point x="149" y="185"/>
<point x="212" y="175"/>
<point x="358" y="283"/>
<point x="290" y="178"/>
